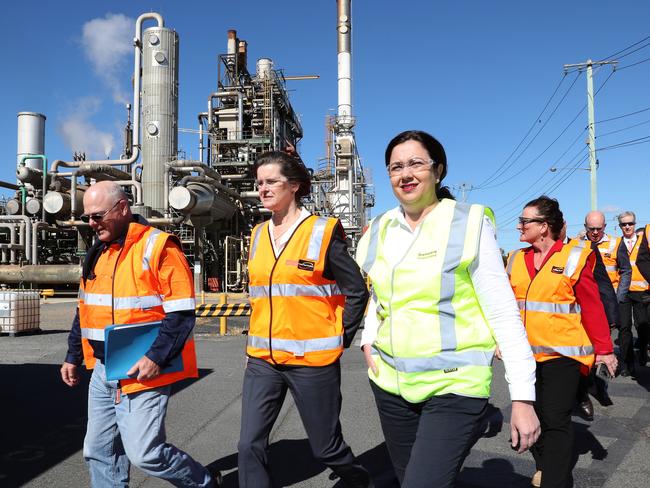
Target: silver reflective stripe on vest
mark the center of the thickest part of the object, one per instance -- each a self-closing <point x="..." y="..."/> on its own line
<point x="610" y="269"/>
<point x="373" y="243"/>
<point x="92" y="334"/>
<point x="96" y="299"/>
<point x="148" y="248"/>
<point x="639" y="284"/>
<point x="126" y="303"/>
<point x="297" y="347"/>
<point x="179" y="304"/>
<point x="453" y="255"/>
<point x="548" y="307"/>
<point x="256" y="239"/>
<point x="291" y="290"/>
<point x="564" y="350"/>
<point x="443" y="361"/>
<point x="316" y="239"/>
<point x="573" y="260"/>
<point x="511" y="261"/>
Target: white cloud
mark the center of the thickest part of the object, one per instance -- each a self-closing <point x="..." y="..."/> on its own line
<point x="107" y="43"/>
<point x="80" y="134"/>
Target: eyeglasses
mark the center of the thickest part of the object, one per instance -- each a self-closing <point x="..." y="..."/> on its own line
<point x="525" y="221"/>
<point x="594" y="229"/>
<point x="414" y="164"/>
<point x="97" y="217"/>
<point x="627" y="224"/>
<point x="271" y="183"/>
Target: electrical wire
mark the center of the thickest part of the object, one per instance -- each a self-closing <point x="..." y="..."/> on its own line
<point x="633" y="64"/>
<point x="623" y="116"/>
<point x="623" y="50"/>
<point x="631" y="142"/>
<point x="623" y="129"/>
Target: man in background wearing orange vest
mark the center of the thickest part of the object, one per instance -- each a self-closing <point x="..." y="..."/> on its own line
<point x="640" y="291"/>
<point x="133" y="273"/>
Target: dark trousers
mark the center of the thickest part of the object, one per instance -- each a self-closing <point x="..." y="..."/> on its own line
<point x="626" y="351"/>
<point x="429" y="441"/>
<point x="641" y="310"/>
<point x="556" y="385"/>
<point x="317" y="393"/>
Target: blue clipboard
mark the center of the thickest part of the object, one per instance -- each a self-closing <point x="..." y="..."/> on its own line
<point x="125" y="344"/>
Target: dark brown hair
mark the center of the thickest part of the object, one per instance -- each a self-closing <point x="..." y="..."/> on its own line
<point x="290" y="167"/>
<point x="549" y="210"/>
<point x="432" y="146"/>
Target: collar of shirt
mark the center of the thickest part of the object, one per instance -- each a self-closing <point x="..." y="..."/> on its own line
<point x="286" y="235"/>
<point x="605" y="238"/>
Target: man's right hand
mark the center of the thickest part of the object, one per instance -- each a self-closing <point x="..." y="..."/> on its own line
<point x="367" y="348"/>
<point x="69" y="374"/>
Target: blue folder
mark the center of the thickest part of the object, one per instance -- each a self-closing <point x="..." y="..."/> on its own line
<point x="125" y="344"/>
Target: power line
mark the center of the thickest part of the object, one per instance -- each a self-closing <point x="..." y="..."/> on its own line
<point x="631" y="142"/>
<point x="623" y="116"/>
<point x="634" y="64"/>
<point x="623" y="50"/>
<point x="632" y="52"/>
<point x="624" y="129"/>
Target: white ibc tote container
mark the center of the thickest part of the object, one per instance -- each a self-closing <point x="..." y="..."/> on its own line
<point x="19" y="311"/>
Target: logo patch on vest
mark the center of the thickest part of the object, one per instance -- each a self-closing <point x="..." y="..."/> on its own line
<point x="557" y="269"/>
<point x="428" y="254"/>
<point x="306" y="265"/>
<point x="450" y="370"/>
<point x="607" y="255"/>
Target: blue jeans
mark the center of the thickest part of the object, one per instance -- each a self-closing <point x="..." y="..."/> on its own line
<point x="133" y="430"/>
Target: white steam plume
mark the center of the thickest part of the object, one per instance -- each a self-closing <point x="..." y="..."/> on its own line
<point x="80" y="134"/>
<point x="107" y="43"/>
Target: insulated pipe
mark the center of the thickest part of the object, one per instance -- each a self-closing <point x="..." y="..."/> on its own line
<point x="35" y="227"/>
<point x="195" y="166"/>
<point x="28" y="226"/>
<point x="56" y="274"/>
<point x="135" y="184"/>
<point x="344" y="43"/>
<point x="240" y="107"/>
<point x="11" y="186"/>
<point x="12" y="242"/>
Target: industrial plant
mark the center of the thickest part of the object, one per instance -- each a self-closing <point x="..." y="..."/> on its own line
<point x="210" y="203"/>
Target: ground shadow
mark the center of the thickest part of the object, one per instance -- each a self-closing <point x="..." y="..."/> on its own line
<point x="496" y="472"/>
<point x="43" y="420"/>
<point x="585" y="442"/>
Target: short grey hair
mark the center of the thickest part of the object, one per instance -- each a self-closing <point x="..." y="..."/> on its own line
<point x="627" y="213"/>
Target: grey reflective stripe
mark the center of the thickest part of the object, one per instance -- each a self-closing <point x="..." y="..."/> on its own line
<point x="148" y="248"/>
<point x="453" y="255"/>
<point x="297" y="347"/>
<point x="316" y="239"/>
<point x="511" y="261"/>
<point x="291" y="290"/>
<point x="256" y="238"/>
<point x="548" y="307"/>
<point x="442" y="361"/>
<point x="639" y="284"/>
<point x="610" y="269"/>
<point x="97" y="299"/>
<point x="373" y="243"/>
<point x="573" y="260"/>
<point x="633" y="262"/>
<point x="179" y="304"/>
<point x="581" y="243"/>
<point x="612" y="246"/>
<point x="125" y="303"/>
<point x="92" y="334"/>
<point x="564" y="350"/>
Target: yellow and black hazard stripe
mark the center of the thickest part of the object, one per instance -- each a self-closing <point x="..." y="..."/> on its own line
<point x="223" y="310"/>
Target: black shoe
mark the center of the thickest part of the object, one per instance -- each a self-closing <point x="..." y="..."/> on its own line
<point x="587" y="409"/>
<point x="625" y="372"/>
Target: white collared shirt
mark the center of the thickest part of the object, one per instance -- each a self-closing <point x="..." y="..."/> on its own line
<point x="281" y="242"/>
<point x="494" y="294"/>
<point x="630" y="242"/>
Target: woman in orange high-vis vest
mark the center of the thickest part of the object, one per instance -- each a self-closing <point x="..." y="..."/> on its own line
<point x="307" y="298"/>
<point x="566" y="325"/>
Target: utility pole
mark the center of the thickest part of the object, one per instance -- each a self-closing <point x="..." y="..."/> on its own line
<point x="591" y="141"/>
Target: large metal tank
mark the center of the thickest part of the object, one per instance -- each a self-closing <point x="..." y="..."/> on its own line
<point x="31" y="138"/>
<point x="159" y="111"/>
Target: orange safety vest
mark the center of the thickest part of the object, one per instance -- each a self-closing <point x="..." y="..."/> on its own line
<point x="296" y="313"/>
<point x="548" y="304"/>
<point x="638" y="282"/>
<point x="609" y="251"/>
<point x="125" y="290"/>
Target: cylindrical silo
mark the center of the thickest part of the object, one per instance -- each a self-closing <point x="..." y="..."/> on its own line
<point x="159" y="111"/>
<point x="31" y="138"/>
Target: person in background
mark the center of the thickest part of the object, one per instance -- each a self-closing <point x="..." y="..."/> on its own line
<point x="441" y="301"/>
<point x="308" y="298"/>
<point x="566" y="325"/>
<point x="639" y="296"/>
<point x="132" y="273"/>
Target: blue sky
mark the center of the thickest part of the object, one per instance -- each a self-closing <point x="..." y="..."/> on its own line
<point x="476" y="74"/>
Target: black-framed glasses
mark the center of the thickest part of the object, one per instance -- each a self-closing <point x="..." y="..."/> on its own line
<point x="525" y="221"/>
<point x="594" y="229"/>
<point x="627" y="224"/>
<point x="98" y="216"/>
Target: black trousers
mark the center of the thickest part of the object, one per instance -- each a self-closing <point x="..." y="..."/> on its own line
<point x="429" y="441"/>
<point x="625" y="346"/>
<point x="317" y="393"/>
<point x="556" y="385"/>
<point x="641" y="310"/>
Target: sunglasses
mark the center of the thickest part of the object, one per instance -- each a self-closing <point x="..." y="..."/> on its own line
<point x="525" y="221"/>
<point x="98" y="216"/>
<point x="594" y="229"/>
<point x="627" y="224"/>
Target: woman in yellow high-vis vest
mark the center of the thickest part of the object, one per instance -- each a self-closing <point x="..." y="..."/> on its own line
<point x="441" y="302"/>
<point x="566" y="325"/>
<point x="307" y="298"/>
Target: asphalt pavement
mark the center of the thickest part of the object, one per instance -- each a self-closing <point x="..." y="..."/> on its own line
<point x="43" y="421"/>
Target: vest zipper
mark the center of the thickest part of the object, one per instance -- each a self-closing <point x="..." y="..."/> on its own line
<point x="277" y="259"/>
<point x="390" y="305"/>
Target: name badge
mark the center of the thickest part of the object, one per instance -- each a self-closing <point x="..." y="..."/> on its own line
<point x="306" y="265"/>
<point x="557" y="269"/>
<point x="427" y="254"/>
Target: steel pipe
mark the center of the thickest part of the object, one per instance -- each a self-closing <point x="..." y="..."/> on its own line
<point x="27" y="223"/>
<point x="55" y="274"/>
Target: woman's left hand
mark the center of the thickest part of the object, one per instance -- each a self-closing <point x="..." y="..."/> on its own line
<point x="610" y="361"/>
<point x="524" y="425"/>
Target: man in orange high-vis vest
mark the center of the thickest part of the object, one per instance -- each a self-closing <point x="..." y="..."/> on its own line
<point x="132" y="274"/>
<point x="642" y="317"/>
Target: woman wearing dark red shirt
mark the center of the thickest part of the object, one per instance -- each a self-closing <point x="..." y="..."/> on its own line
<point x="566" y="326"/>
